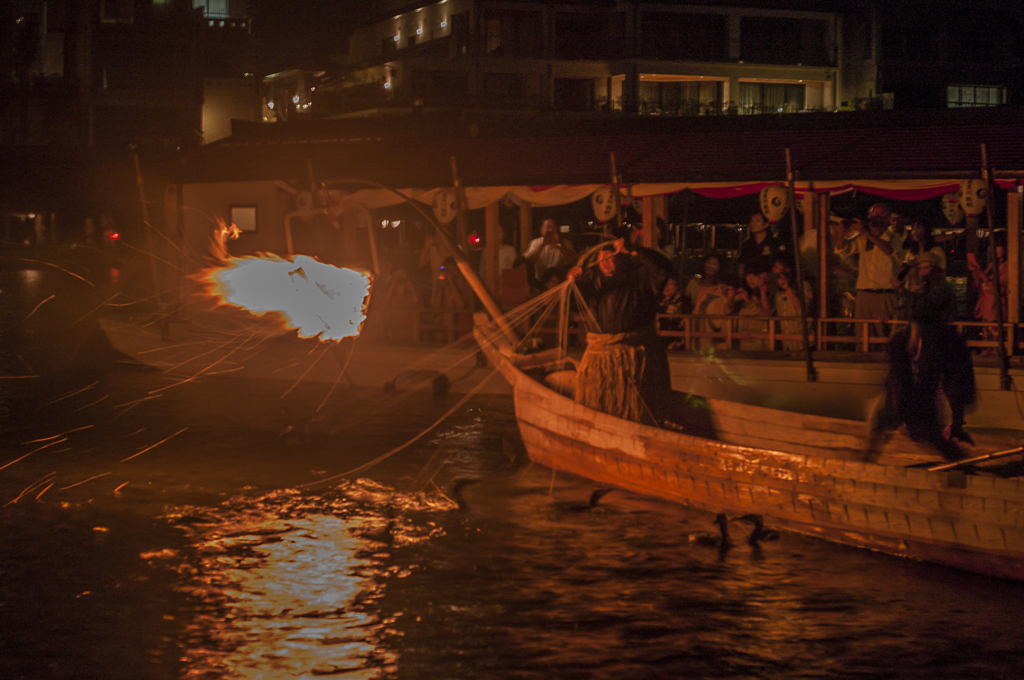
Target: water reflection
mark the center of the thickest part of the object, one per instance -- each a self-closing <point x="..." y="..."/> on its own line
<point x="286" y="584"/>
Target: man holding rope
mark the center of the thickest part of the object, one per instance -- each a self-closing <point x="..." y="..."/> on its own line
<point x="624" y="371"/>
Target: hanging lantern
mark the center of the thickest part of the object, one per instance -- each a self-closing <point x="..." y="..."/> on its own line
<point x="446" y="205"/>
<point x="774" y="202"/>
<point x="951" y="208"/>
<point x="973" y="194"/>
<point x="603" y="203"/>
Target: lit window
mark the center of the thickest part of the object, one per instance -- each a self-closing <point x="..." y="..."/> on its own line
<point x="958" y="96"/>
<point x="244" y="217"/>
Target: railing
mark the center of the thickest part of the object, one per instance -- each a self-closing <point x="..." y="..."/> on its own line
<point x="827" y="334"/>
<point x="693" y="332"/>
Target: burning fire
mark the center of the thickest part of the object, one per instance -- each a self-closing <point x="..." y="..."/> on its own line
<point x="314" y="298"/>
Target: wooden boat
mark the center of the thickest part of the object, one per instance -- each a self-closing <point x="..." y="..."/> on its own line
<point x="230" y="343"/>
<point x="801" y="472"/>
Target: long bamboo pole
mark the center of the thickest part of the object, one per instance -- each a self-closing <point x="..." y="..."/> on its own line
<point x="157" y="288"/>
<point x="463" y="264"/>
<point x="1004" y="361"/>
<point x="616" y="197"/>
<point x="812" y="373"/>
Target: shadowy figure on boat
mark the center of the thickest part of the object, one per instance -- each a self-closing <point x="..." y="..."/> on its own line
<point x="925" y="357"/>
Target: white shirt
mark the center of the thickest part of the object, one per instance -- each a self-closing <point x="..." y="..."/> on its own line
<point x="544" y="256"/>
<point x="875" y="269"/>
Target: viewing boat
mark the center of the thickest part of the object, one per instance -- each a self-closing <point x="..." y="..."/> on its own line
<point x="803" y="473"/>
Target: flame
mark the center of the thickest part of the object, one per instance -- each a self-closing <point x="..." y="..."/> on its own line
<point x="316" y="299"/>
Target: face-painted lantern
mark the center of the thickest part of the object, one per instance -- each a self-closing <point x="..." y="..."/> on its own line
<point x="973" y="194"/>
<point x="603" y="203"/>
<point x="951" y="208"/>
<point x="446" y="205"/>
<point x="774" y="202"/>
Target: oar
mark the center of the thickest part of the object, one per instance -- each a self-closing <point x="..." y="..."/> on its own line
<point x="977" y="459"/>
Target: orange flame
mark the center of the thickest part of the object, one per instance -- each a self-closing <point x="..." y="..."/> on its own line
<point x="316" y="299"/>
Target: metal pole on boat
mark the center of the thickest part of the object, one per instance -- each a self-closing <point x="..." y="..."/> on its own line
<point x="812" y="374"/>
<point x="1004" y="361"/>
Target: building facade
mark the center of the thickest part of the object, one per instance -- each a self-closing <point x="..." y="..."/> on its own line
<point x="650" y="59"/>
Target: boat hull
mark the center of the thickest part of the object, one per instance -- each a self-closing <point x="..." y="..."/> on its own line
<point x="970" y="522"/>
<point x="190" y="350"/>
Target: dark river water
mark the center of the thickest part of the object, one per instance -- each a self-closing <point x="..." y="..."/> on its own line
<point x="150" y="529"/>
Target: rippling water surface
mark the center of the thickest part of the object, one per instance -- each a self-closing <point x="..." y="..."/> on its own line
<point x="222" y="553"/>
<point x="201" y="531"/>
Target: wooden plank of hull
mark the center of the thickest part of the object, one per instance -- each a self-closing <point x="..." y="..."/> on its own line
<point x="981" y="547"/>
<point x="901" y="511"/>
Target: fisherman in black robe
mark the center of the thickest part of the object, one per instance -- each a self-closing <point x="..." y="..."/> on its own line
<point x="624" y="371"/>
<point x="925" y="357"/>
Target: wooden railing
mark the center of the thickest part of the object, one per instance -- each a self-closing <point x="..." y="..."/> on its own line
<point x="692" y="332"/>
<point x="825" y="334"/>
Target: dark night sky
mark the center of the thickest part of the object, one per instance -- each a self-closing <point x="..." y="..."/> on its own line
<point x="290" y="33"/>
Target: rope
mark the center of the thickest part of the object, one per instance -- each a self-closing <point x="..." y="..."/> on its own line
<point x="401" y="447"/>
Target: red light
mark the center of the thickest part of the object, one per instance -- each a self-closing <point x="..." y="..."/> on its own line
<point x="474" y="239"/>
<point x="115" y="236"/>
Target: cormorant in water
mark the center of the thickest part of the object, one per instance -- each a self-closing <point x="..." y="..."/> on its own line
<point x="721" y="541"/>
<point x="456" y="492"/>
<point x="759" y="533"/>
<point x="595" y="498"/>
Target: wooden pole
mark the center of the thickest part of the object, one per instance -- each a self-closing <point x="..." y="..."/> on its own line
<point x="148" y="226"/>
<point x="977" y="459"/>
<point x="615" y="195"/>
<point x="812" y="374"/>
<point x="1004" y="362"/>
<point x="492" y="246"/>
<point x="460" y="215"/>
<point x="472" y="279"/>
<point x="371" y="229"/>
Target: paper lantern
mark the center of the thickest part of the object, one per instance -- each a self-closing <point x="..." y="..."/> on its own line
<point x="973" y="194"/>
<point x="774" y="202"/>
<point x="446" y="205"/>
<point x="951" y="208"/>
<point x="603" y="203"/>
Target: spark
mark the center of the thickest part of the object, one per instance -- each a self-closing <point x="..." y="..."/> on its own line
<point x="57" y="436"/>
<point x="133" y="404"/>
<point x="34" y="485"/>
<point x="36" y="308"/>
<point x="44" y="446"/>
<point x="44" y="490"/>
<point x="302" y="377"/>
<point x="50" y="264"/>
<point x="82" y="408"/>
<point x="65" y="488"/>
<point x="117" y="491"/>
<point x="154" y="445"/>
<point x="338" y="379"/>
<point x="71" y="394"/>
